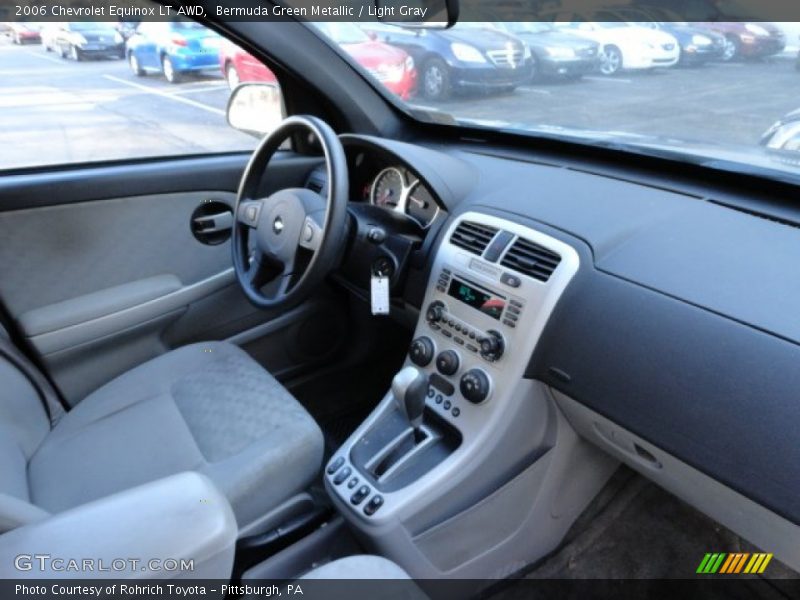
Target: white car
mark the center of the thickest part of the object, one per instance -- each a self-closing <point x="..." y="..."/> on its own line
<point x="626" y="46"/>
<point x="49" y="32"/>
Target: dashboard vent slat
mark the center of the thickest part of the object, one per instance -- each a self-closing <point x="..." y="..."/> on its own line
<point x="472" y="237"/>
<point x="531" y="259"/>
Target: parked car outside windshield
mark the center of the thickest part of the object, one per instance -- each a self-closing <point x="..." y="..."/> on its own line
<point x="173" y="48"/>
<point x="634" y="98"/>
<point x="470" y="57"/>
<point x="555" y="53"/>
<point x="390" y="65"/>
<point x="79" y="41"/>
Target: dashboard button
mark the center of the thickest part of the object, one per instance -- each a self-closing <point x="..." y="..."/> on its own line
<point x="510" y="280"/>
<point x="342" y="475"/>
<point x="376" y="235"/>
<point x="360" y="494"/>
<point x="334" y="466"/>
<point x="475" y="385"/>
<point x="421" y="351"/>
<point x="447" y="362"/>
<point x="373" y="505"/>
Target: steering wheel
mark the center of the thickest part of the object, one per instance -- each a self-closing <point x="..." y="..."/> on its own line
<point x="293" y="238"/>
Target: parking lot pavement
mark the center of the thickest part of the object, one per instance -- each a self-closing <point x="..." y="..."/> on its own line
<point x="56" y="111"/>
<point x="725" y="103"/>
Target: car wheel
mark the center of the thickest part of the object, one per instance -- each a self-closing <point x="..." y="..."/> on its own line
<point x="170" y="72"/>
<point x="47" y="47"/>
<point x="731" y="50"/>
<point x="612" y="61"/>
<point x="436" y="80"/>
<point x="63" y="52"/>
<point x="136" y="68"/>
<point x="232" y="75"/>
<point x="75" y="54"/>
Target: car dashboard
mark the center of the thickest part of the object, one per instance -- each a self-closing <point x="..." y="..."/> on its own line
<point x="666" y="337"/>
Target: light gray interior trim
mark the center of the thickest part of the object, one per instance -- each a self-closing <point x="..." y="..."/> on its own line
<point x="179" y="517"/>
<point x="87" y="331"/>
<point x="54" y="253"/>
<point x="15" y="512"/>
<point x="293" y="507"/>
<point x="97" y="304"/>
<point x="507" y="495"/>
<point x="331" y="541"/>
<point x="273" y="325"/>
<point x="481" y="425"/>
<point x="750" y="520"/>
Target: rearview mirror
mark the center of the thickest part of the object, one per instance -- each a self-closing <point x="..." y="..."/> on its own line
<point x="256" y="108"/>
<point x="422" y="14"/>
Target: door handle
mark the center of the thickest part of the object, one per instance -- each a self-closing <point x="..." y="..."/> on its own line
<point x="212" y="222"/>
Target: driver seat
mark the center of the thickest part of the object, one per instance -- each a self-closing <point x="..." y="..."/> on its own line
<point x="205" y="407"/>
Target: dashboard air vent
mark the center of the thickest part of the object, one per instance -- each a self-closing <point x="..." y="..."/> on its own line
<point x="531" y="259"/>
<point x="472" y="236"/>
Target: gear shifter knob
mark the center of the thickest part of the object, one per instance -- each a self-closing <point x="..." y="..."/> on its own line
<point x="409" y="388"/>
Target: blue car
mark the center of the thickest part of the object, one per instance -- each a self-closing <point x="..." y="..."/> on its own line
<point x="173" y="48"/>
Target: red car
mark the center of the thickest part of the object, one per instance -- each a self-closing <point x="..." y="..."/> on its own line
<point x="238" y="66"/>
<point x="389" y="65"/>
<point x="24" y="33"/>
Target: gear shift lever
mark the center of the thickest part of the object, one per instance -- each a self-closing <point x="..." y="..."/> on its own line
<point x="409" y="388"/>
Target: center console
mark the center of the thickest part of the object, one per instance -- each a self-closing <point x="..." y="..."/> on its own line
<point x="462" y="432"/>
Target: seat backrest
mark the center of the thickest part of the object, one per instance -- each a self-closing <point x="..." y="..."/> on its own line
<point x="24" y="423"/>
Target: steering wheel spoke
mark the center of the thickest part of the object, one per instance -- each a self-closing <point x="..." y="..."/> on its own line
<point x="262" y="270"/>
<point x="248" y="212"/>
<point x="311" y="233"/>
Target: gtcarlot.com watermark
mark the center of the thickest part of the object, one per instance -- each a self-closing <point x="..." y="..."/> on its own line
<point x="33" y="563"/>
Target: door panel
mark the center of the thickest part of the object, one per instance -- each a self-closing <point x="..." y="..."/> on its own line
<point x="99" y="280"/>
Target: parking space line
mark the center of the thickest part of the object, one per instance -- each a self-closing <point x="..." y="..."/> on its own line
<point x="59" y="61"/>
<point x="156" y="92"/>
<point x="525" y="88"/>
<point x="607" y="79"/>
<point x="197" y="90"/>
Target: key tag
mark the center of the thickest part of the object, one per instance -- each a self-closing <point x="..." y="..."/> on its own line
<point x="379" y="294"/>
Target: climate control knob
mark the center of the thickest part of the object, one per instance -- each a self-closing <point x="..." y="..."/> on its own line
<point x="435" y="312"/>
<point x="447" y="362"/>
<point x="492" y="346"/>
<point x="475" y="386"/>
<point x="421" y="351"/>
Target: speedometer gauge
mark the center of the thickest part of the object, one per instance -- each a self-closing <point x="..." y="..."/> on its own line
<point x="387" y="190"/>
<point x="420" y="205"/>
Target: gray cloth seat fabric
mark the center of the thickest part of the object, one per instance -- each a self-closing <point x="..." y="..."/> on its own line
<point x="361" y="566"/>
<point x="205" y="407"/>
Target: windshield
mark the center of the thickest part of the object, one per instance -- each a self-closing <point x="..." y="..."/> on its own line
<point x="89" y="26"/>
<point x="713" y="93"/>
<point x="525" y="27"/>
<point x="343" y="33"/>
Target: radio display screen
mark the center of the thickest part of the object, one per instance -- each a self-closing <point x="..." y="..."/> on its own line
<point x="468" y="293"/>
